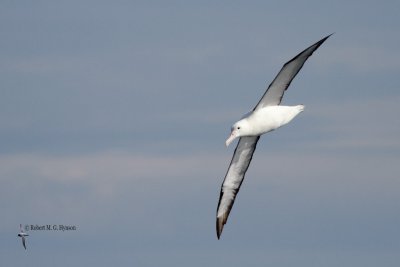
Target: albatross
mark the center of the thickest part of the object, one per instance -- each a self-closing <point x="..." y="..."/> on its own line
<point x="22" y="234"/>
<point x="267" y="116"/>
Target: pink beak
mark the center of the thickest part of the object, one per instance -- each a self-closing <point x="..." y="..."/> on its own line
<point x="230" y="138"/>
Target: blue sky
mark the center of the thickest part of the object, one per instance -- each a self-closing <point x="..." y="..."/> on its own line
<point x="113" y="117"/>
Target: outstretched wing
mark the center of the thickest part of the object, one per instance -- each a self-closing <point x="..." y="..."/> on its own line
<point x="246" y="146"/>
<point x="23" y="241"/>
<point x="277" y="88"/>
<point x="234" y="178"/>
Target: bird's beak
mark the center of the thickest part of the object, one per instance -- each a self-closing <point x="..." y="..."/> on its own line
<point x="230" y="138"/>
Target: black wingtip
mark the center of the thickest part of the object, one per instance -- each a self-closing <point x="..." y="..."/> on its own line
<point x="220" y="227"/>
<point x="323" y="40"/>
<point x="326" y="37"/>
<point x="314" y="46"/>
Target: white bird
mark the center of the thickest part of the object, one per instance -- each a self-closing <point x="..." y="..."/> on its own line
<point x="22" y="234"/>
<point x="267" y="116"/>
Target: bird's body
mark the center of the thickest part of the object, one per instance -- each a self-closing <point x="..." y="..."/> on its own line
<point x="267" y="116"/>
<point x="263" y="120"/>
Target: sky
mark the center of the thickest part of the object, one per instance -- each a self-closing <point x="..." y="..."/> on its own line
<point x="114" y="115"/>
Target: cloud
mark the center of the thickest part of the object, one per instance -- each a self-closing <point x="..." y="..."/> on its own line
<point x="72" y="184"/>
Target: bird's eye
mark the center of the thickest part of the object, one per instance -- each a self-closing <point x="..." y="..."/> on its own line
<point x="238" y="128"/>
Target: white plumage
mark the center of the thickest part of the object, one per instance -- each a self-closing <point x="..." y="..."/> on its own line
<point x="267" y="116"/>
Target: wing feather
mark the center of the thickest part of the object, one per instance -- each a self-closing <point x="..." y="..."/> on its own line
<point x="246" y="146"/>
<point x="23" y="241"/>
<point x="234" y="177"/>
<point x="277" y="88"/>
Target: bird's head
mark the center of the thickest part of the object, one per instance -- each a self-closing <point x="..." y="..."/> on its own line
<point x="239" y="129"/>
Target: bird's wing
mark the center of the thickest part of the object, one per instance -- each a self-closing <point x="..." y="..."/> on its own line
<point x="20" y="228"/>
<point x="23" y="241"/>
<point x="277" y="88"/>
<point x="234" y="178"/>
<point x="246" y="146"/>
